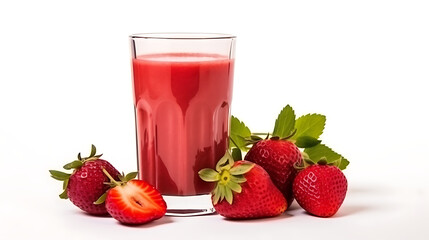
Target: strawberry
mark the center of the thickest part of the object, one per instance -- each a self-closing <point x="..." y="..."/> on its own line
<point x="243" y="190"/>
<point x="277" y="157"/>
<point x="133" y="201"/>
<point x="86" y="183"/>
<point x="320" y="188"/>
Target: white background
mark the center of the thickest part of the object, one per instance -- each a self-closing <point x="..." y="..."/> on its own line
<point x="65" y="82"/>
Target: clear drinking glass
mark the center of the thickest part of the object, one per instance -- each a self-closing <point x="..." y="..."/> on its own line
<point x="182" y="98"/>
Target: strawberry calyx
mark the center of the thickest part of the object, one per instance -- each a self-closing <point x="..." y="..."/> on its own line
<point x="64" y="177"/>
<point x="256" y="137"/>
<point x="306" y="162"/>
<point x="227" y="178"/>
<point x="123" y="179"/>
<point x="76" y="164"/>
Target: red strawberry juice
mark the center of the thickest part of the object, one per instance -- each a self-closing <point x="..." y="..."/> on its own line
<point x="182" y="106"/>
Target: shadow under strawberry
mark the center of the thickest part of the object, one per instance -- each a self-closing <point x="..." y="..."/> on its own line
<point x="162" y="221"/>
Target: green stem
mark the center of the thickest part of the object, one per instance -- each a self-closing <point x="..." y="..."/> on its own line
<point x="110" y="177"/>
<point x="234" y="143"/>
<point x="290" y="135"/>
<point x="261" y="134"/>
<point x="92" y="158"/>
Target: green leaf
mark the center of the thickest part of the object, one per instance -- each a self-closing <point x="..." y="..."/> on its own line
<point x="338" y="162"/>
<point x="65" y="184"/>
<point x="221" y="163"/>
<point x="93" y="151"/>
<point x="256" y="138"/>
<point x="234" y="186"/>
<point x="216" y="194"/>
<point x="209" y="175"/>
<point x="344" y="163"/>
<point x="238" y="179"/>
<point x="101" y="199"/>
<point x="222" y="190"/>
<point x="226" y="162"/>
<point x="306" y="142"/>
<point x="61" y="176"/>
<point x="64" y="195"/>
<point x="310" y="125"/>
<point x="130" y="176"/>
<point x="228" y="195"/>
<point x="236" y="154"/>
<point x="57" y="178"/>
<point x="239" y="131"/>
<point x="73" y="165"/>
<point x="241" y="169"/>
<point x="285" y="123"/>
<point x="322" y="151"/>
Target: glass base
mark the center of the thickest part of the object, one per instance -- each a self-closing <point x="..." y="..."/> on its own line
<point x="185" y="206"/>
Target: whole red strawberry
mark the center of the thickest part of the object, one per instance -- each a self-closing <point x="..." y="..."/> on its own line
<point x="86" y="183"/>
<point x="133" y="201"/>
<point x="320" y="189"/>
<point x="243" y="190"/>
<point x="277" y="157"/>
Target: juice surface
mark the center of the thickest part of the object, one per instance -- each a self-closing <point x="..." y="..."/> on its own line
<point x="182" y="105"/>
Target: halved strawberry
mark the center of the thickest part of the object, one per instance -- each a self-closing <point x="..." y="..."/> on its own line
<point x="134" y="201"/>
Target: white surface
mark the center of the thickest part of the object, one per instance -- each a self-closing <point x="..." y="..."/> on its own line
<point x="65" y="83"/>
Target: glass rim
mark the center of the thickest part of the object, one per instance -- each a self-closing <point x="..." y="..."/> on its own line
<point x="182" y="36"/>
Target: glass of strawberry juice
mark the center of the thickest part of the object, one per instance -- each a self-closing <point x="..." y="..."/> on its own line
<point x="182" y="86"/>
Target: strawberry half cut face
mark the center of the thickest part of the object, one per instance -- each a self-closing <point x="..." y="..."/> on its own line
<point x="135" y="202"/>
